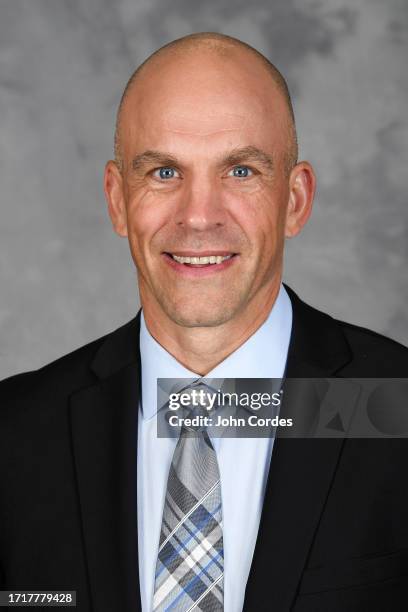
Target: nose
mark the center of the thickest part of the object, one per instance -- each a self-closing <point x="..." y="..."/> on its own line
<point x="201" y="207"/>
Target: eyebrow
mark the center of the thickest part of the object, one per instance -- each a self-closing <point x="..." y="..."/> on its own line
<point x="235" y="157"/>
<point x="249" y="154"/>
<point x="156" y="157"/>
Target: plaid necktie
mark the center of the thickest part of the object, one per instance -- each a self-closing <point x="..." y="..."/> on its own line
<point x="190" y="565"/>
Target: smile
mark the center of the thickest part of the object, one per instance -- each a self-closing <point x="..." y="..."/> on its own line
<point x="200" y="264"/>
<point x="201" y="261"/>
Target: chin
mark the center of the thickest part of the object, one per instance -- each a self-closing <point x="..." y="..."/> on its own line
<point x="200" y="321"/>
<point x="197" y="318"/>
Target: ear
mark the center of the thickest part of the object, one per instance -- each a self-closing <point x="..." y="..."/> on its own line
<point x="113" y="187"/>
<point x="302" y="185"/>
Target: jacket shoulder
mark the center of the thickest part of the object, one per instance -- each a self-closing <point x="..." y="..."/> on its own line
<point x="65" y="374"/>
<point x="342" y="347"/>
<point x="375" y="352"/>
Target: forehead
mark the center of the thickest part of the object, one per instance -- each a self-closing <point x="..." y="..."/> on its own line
<point x="203" y="120"/>
<point x="203" y="101"/>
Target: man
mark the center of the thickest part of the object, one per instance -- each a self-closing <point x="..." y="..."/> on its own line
<point x="205" y="186"/>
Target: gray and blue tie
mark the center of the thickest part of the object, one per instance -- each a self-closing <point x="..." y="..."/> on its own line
<point x="190" y="564"/>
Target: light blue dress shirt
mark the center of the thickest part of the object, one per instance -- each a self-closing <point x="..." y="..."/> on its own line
<point x="263" y="355"/>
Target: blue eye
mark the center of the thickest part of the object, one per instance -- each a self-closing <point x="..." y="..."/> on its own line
<point x="241" y="172"/>
<point x="166" y="173"/>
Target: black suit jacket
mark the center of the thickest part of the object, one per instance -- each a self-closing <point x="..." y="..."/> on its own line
<point x="334" y="527"/>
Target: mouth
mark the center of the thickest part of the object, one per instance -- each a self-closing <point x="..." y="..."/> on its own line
<point x="204" y="262"/>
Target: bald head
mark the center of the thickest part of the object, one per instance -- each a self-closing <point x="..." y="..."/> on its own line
<point x="223" y="49"/>
<point x="206" y="167"/>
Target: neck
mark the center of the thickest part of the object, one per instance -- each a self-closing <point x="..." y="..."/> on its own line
<point x="200" y="349"/>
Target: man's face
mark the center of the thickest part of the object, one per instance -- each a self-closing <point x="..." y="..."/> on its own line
<point x="203" y="150"/>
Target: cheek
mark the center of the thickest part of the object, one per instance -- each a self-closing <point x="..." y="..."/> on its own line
<point x="260" y="214"/>
<point x="147" y="214"/>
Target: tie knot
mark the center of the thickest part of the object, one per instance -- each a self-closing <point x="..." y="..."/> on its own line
<point x="197" y="407"/>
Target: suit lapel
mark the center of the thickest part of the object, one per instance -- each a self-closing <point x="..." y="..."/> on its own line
<point x="300" y="474"/>
<point x="104" y="437"/>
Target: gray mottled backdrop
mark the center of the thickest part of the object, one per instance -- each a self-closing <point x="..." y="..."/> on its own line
<point x="66" y="278"/>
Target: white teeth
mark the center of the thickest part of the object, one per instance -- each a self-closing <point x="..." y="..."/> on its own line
<point x="211" y="259"/>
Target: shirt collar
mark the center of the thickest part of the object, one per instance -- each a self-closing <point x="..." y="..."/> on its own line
<point x="263" y="355"/>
